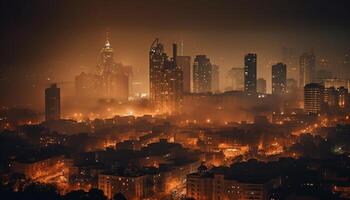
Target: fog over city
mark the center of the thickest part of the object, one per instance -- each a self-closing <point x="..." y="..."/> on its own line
<point x="174" y="99"/>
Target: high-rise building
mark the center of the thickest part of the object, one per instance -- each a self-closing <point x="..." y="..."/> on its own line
<point x="331" y="98"/>
<point x="250" y="63"/>
<point x="279" y="78"/>
<point x="157" y="58"/>
<point x="261" y="85"/>
<point x="215" y="78"/>
<point x="166" y="79"/>
<point x="290" y="58"/>
<point x="342" y="97"/>
<point x="111" y="81"/>
<point x="235" y="79"/>
<point x="184" y="63"/>
<point x="313" y="98"/>
<point x="52" y="103"/>
<point x="307" y="70"/>
<point x="202" y="74"/>
<point x="336" y="99"/>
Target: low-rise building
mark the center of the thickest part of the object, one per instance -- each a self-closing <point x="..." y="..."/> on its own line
<point x="205" y="185"/>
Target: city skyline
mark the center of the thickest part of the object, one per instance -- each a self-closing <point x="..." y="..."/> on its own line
<point x="174" y="100"/>
<point x="59" y="56"/>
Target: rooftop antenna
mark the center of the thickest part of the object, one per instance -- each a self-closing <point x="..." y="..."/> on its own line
<point x="107" y="39"/>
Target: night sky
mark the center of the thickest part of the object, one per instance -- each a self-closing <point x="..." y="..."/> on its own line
<point x="59" y="39"/>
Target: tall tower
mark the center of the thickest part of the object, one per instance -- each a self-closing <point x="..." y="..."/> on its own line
<point x="112" y="78"/>
<point x="250" y="63"/>
<point x="106" y="64"/>
<point x="110" y="81"/>
<point x="166" y="79"/>
<point x="235" y="79"/>
<point x="202" y="74"/>
<point x="52" y="103"/>
<point x="279" y="78"/>
<point x="307" y="70"/>
<point x="313" y="98"/>
<point x="157" y="59"/>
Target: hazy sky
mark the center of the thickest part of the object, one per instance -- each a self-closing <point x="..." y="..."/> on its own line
<point x="61" y="38"/>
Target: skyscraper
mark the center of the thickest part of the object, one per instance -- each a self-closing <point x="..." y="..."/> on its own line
<point x="291" y="59"/>
<point x="215" y="78"/>
<point x="250" y="63"/>
<point x="202" y="74"/>
<point x="307" y="71"/>
<point x="313" y="98"/>
<point x="235" y="79"/>
<point x="166" y="79"/>
<point x="110" y="81"/>
<point x="279" y="78"/>
<point x="184" y="63"/>
<point x="261" y="88"/>
<point x="157" y="59"/>
<point x="52" y="103"/>
<point x="113" y="81"/>
<point x="331" y="99"/>
<point x="343" y="97"/>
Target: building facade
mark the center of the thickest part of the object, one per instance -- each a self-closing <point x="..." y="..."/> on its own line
<point x="204" y="185"/>
<point x="184" y="63"/>
<point x="40" y="169"/>
<point x="110" y="81"/>
<point x="202" y="74"/>
<point x="313" y="98"/>
<point x="250" y="67"/>
<point x="132" y="187"/>
<point x="307" y="70"/>
<point x="166" y="79"/>
<point x="279" y="78"/>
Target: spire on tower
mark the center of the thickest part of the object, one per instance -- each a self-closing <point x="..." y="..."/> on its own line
<point x="107" y="43"/>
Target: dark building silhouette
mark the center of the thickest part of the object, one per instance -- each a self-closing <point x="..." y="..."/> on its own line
<point x="202" y="74"/>
<point x="166" y="79"/>
<point x="250" y="63"/>
<point x="184" y="63"/>
<point x="279" y="78"/>
<point x="52" y="103"/>
<point x="307" y="71"/>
